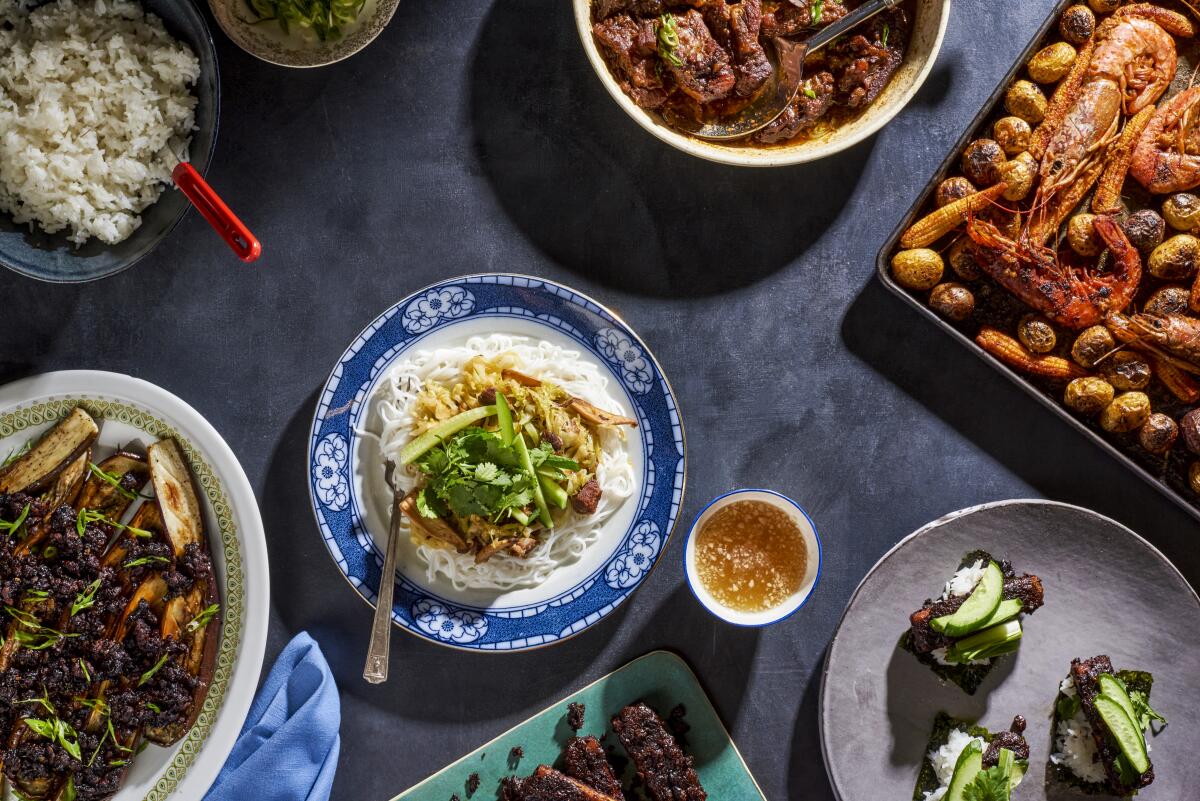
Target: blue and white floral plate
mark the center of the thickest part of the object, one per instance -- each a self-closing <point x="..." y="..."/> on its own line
<point x="351" y="499"/>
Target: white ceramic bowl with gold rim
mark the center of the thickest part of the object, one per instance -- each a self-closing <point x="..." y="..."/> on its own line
<point x="929" y="28"/>
<point x="266" y="40"/>
<point x="130" y="410"/>
<point x="812" y="547"/>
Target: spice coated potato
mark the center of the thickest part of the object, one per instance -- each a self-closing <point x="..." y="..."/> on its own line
<point x="1104" y="6"/>
<point x="1050" y="64"/>
<point x="1182" y="211"/>
<point x="1158" y="433"/>
<point x="1081" y="235"/>
<point x="1091" y="345"/>
<point x="962" y="260"/>
<point x="1089" y="395"/>
<point x="1176" y="258"/>
<point x="1194" y="477"/>
<point x="1019" y="173"/>
<point x="1189" y="426"/>
<point x="1012" y="134"/>
<point x="981" y="162"/>
<point x="918" y="268"/>
<point x="1128" y="412"/>
<point x="1168" y="300"/>
<point x="1077" y="24"/>
<point x="1126" y="370"/>
<point x="952" y="301"/>
<point x="1036" y="333"/>
<point x="1145" y="229"/>
<point x="953" y="189"/>
<point x="1025" y="100"/>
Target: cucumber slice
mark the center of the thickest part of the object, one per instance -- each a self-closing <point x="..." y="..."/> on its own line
<point x="977" y="609"/>
<point x="443" y="430"/>
<point x="969" y="763"/>
<point x="1006" y="611"/>
<point x="991" y="642"/>
<point x="1111" y="687"/>
<point x="1125" y="732"/>
<point x="504" y="420"/>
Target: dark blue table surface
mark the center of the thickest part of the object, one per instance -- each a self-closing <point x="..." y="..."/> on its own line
<point x="473" y="136"/>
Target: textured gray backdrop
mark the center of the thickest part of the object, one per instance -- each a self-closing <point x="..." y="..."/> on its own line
<point x="473" y="136"/>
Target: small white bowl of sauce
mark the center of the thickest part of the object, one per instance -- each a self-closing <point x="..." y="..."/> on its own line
<point x="753" y="557"/>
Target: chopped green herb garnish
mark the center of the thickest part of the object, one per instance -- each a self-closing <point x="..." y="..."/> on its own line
<point x="149" y="674"/>
<point x="817" y="10"/>
<point x="153" y="707"/>
<point x="146" y="560"/>
<point x="68" y="793"/>
<point x="16" y="453"/>
<point x="115" y="482"/>
<point x="11" y="528"/>
<point x="87" y="675"/>
<point x="884" y="34"/>
<point x="808" y="92"/>
<point x="34" y="636"/>
<point x="49" y="552"/>
<point x="85" y="599"/>
<point x="325" y="18"/>
<point x="668" y="40"/>
<point x="57" y="730"/>
<point x="204" y="618"/>
<point x="36" y="596"/>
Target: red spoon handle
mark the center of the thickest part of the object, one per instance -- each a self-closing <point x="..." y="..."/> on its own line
<point x="219" y="216"/>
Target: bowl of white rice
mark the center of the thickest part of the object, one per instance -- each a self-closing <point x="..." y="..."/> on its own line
<point x="98" y="99"/>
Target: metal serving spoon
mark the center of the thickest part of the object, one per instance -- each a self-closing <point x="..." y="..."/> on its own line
<point x="376" y="669"/>
<point x="788" y="74"/>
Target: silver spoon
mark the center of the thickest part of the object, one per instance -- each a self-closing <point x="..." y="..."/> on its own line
<point x="774" y="98"/>
<point x="376" y="669"/>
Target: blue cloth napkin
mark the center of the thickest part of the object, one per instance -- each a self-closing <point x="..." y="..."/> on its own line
<point x="288" y="748"/>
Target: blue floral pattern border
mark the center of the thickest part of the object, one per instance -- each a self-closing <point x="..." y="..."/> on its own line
<point x="595" y="330"/>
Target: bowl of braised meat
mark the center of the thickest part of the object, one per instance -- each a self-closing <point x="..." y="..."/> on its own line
<point x="673" y="60"/>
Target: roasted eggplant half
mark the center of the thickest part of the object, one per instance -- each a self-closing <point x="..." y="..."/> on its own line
<point x="33" y="471"/>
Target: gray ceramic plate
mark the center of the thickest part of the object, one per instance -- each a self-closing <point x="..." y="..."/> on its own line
<point x="1107" y="591"/>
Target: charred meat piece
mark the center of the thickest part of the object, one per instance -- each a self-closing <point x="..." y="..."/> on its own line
<point x="811" y="104"/>
<point x="575" y="715"/>
<point x="1085" y="673"/>
<point x="924" y="639"/>
<point x="631" y="48"/>
<point x="785" y="18"/>
<point x="548" y="784"/>
<point x="584" y="759"/>
<point x="863" y="63"/>
<point x="1013" y="740"/>
<point x="588" y="498"/>
<point x="704" y="72"/>
<point x="666" y="772"/>
<point x="751" y="64"/>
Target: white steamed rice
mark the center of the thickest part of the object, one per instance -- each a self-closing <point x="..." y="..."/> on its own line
<point x="945" y="758"/>
<point x="1074" y="745"/>
<point x="91" y="92"/>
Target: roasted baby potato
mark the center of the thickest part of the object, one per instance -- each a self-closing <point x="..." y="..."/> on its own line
<point x="1145" y="229"/>
<point x="953" y="189"/>
<point x="1036" y="333"/>
<point x="1019" y="173"/>
<point x="1175" y="259"/>
<point x="981" y="162"/>
<point x="1090" y="395"/>
<point x="1104" y="6"/>
<point x="1128" y="412"/>
<point x="1126" y="370"/>
<point x="962" y="260"/>
<point x="1091" y="345"/>
<point x="952" y="301"/>
<point x="1158" y="433"/>
<point x="1168" y="300"/>
<point x="1077" y="24"/>
<point x="1012" y="134"/>
<point x="1189" y="426"/>
<point x="918" y="268"/>
<point x="1182" y="211"/>
<point x="1025" y="100"/>
<point x="1081" y="235"/>
<point x="1050" y="64"/>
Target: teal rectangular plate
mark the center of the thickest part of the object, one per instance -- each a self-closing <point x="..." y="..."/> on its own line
<point x="659" y="678"/>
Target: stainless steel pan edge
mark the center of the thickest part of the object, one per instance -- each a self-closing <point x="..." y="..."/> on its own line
<point x="884" y="274"/>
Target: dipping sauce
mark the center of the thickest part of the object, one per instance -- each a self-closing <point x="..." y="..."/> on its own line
<point x="751" y="556"/>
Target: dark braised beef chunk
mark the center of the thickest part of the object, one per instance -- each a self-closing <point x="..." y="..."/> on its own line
<point x="666" y="772"/>
<point x="585" y="501"/>
<point x="751" y="64"/>
<point x="1085" y="673"/>
<point x="784" y="18"/>
<point x="487" y="397"/>
<point x="584" y="759"/>
<point x="862" y="63"/>
<point x="547" y="784"/>
<point x="472" y="784"/>
<point x="1011" y="740"/>
<point x="555" y="441"/>
<point x="704" y="72"/>
<point x="632" y="50"/>
<point x="810" y="105"/>
<point x="575" y="714"/>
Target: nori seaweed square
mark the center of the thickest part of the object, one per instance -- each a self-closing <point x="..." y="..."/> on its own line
<point x="1135" y="681"/>
<point x="943" y="724"/>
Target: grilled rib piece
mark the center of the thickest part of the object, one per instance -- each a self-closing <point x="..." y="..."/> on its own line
<point x="548" y="784"/>
<point x="924" y="639"/>
<point x="666" y="772"/>
<point x="584" y="759"/>
<point x="1085" y="673"/>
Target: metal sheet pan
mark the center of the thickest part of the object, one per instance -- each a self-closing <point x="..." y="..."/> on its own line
<point x="1124" y="454"/>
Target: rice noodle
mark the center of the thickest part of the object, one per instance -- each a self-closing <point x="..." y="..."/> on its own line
<point x="573" y="533"/>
